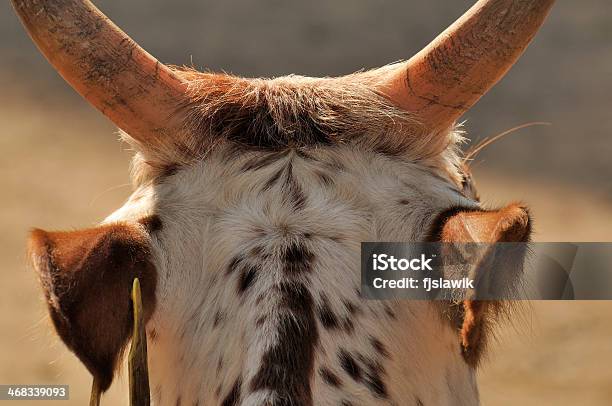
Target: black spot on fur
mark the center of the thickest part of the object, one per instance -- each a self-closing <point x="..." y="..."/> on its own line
<point x="220" y="364"/>
<point x="288" y="366"/>
<point x="233" y="265"/>
<point x="326" y="316"/>
<point x="377" y="386"/>
<point x="246" y="279"/>
<point x="272" y="181"/>
<point x="218" y="318"/>
<point x="348" y="326"/>
<point x="336" y="238"/>
<point x="305" y="155"/>
<point x="295" y="296"/>
<point x="178" y="401"/>
<point x="324" y="178"/>
<point x="346" y="403"/>
<point x="348" y="363"/>
<point x="256" y="251"/>
<point x="350" y="307"/>
<point x="297" y="195"/>
<point x="329" y="377"/>
<point x="152" y="223"/>
<point x="389" y="148"/>
<point x="233" y="397"/>
<point x="247" y="273"/>
<point x="260" y="321"/>
<point x="389" y="311"/>
<point x="379" y="347"/>
<point x="264" y="160"/>
<point x="293" y="188"/>
<point x="373" y="379"/>
<point x="170" y="170"/>
<point x="297" y="258"/>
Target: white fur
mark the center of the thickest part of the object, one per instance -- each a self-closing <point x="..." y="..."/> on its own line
<point x="213" y="210"/>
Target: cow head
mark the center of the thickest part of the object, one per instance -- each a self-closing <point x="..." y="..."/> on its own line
<point x="207" y="144"/>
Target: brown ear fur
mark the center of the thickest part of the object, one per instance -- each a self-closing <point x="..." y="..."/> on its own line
<point x="509" y="224"/>
<point x="86" y="276"/>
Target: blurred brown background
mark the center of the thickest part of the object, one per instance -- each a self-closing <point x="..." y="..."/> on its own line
<point x="63" y="167"/>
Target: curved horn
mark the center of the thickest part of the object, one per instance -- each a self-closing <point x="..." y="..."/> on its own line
<point x="137" y="92"/>
<point x="456" y="69"/>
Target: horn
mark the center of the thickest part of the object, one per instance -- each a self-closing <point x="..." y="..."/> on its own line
<point x="104" y="65"/>
<point x="449" y="75"/>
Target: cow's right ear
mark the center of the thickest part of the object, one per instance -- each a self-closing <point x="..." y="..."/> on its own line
<point x="86" y="277"/>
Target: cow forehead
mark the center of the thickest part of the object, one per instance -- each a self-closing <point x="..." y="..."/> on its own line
<point x="238" y="223"/>
<point x="362" y="180"/>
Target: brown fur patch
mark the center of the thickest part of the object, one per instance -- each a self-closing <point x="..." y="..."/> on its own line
<point x="475" y="318"/>
<point x="285" y="112"/>
<point x="294" y="112"/>
<point x="87" y="277"/>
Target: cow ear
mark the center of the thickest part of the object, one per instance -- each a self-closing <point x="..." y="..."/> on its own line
<point x="509" y="224"/>
<point x="86" y="277"/>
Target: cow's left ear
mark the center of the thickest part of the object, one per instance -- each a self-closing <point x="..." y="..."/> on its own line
<point x="509" y="224"/>
<point x="86" y="277"/>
